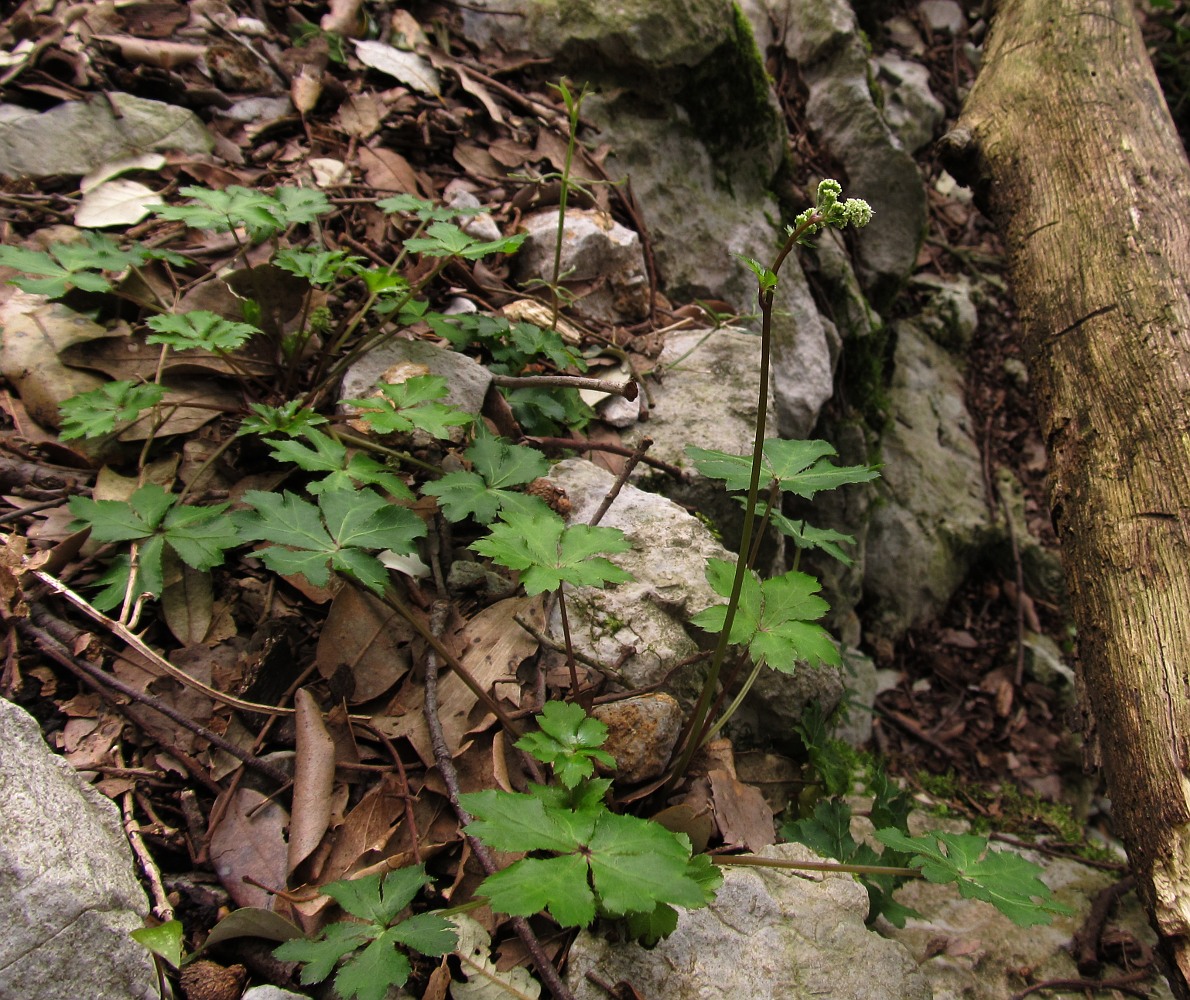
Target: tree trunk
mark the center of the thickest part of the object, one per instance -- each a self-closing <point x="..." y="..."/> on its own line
<point x="1068" y="140"/>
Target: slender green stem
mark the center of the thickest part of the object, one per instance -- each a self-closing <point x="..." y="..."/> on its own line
<point x="751" y="861"/>
<point x="699" y="716"/>
<point x="736" y="702"/>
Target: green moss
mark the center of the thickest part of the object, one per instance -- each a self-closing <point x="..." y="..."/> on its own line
<point x="728" y="97"/>
<point x="1016" y="812"/>
<point x="864" y="375"/>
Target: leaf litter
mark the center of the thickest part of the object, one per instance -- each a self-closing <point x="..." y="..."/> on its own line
<point x="367" y="795"/>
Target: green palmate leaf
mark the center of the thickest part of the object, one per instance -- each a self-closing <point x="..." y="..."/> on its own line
<point x="319" y="267"/>
<point x="71" y="265"/>
<point x="381" y="964"/>
<point x="370" y="974"/>
<point x="343" y="471"/>
<point x="549" y="553"/>
<point x="527" y="343"/>
<point x="290" y="418"/>
<point x="1002" y="878"/>
<point x="384" y="283"/>
<point x="319" y="957"/>
<point x="775" y="619"/>
<point x="607" y="864"/>
<point x="340" y="533"/>
<point x="376" y="900"/>
<point x="569" y="741"/>
<point x="427" y="211"/>
<point x="484" y="492"/>
<point x="443" y="239"/>
<point x="199" y="330"/>
<point x="199" y="535"/>
<point x="261" y="214"/>
<point x="545" y="410"/>
<point x="800" y="467"/>
<point x="406" y="406"/>
<point x="805" y="536"/>
<point x="101" y="411"/>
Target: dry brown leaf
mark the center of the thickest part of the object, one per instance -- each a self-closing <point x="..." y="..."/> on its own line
<point x="361" y="114"/>
<point x="495" y="645"/>
<point x="141" y="673"/>
<point x="249" y="840"/>
<point x="477" y="161"/>
<point x="387" y="170"/>
<point x="187" y="600"/>
<point x="313" y="779"/>
<point x="363" y="648"/>
<point x="744" y="818"/>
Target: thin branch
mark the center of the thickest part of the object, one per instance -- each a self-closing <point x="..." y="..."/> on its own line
<point x="450" y="779"/>
<point x="627" y="389"/>
<point x="56" y="650"/>
<point x="643" y="445"/>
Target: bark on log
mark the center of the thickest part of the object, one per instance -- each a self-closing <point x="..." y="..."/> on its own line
<point x="1076" y="158"/>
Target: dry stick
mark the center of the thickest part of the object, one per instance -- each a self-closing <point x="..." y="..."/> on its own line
<point x="751" y="861"/>
<point x="56" y="650"/>
<point x="450" y="778"/>
<point x="1020" y="592"/>
<point x="1122" y="983"/>
<point x="642" y="446"/>
<point x="135" y="641"/>
<point x="627" y="389"/>
<point x="161" y="907"/>
<point x="1085" y="945"/>
<point x="611" y="449"/>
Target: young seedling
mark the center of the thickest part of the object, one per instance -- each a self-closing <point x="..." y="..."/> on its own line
<point x="600" y="864"/>
<point x="369" y="951"/>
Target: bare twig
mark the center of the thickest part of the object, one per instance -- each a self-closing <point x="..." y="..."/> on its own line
<point x="611" y="449"/>
<point x="450" y="779"/>
<point x="162" y="909"/>
<point x="643" y="445"/>
<point x="627" y="389"/>
<point x="56" y="650"/>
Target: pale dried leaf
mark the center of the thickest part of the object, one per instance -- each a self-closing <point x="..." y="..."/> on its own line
<point x="329" y="173"/>
<point x="313" y="779"/>
<point x="407" y="67"/>
<point x="114" y="168"/>
<point x="187" y="600"/>
<point x="484" y="980"/>
<point x="250" y="840"/>
<point x="387" y="170"/>
<point x="155" y="51"/>
<point x="361" y="114"/>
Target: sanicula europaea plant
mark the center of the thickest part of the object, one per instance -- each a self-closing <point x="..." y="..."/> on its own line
<point x="350" y="517"/>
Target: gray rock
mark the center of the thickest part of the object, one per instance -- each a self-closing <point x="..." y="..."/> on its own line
<point x="968" y="950"/>
<point x="642" y="733"/>
<point x="596" y="251"/>
<point x="769" y="934"/>
<point x="707" y="398"/>
<point x="272" y="993"/>
<point x="466" y="380"/>
<point x="668" y="558"/>
<point x="910" y="107"/>
<point x="944" y="16"/>
<point x="825" y="40"/>
<point x="1044" y="663"/>
<point x="651" y="613"/>
<point x="68" y="888"/>
<point x="76" y="136"/>
<point x="933" y="518"/>
<point x="949" y="314"/>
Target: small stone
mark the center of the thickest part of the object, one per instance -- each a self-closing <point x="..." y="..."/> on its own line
<point x="944" y="16"/>
<point x="642" y="732"/>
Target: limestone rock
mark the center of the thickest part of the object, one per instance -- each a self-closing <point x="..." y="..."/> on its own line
<point x="769" y="934"/>
<point x="642" y="733"/>
<point x="651" y="613"/>
<point x="933" y="518"/>
<point x="596" y="251"/>
<point x="76" y="136"/>
<point x="68" y="890"/>
<point x="825" y="40"/>
<point x="910" y="107"/>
